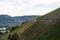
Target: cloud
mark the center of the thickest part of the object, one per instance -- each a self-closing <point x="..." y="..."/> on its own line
<point x="27" y="7"/>
<point x="41" y="9"/>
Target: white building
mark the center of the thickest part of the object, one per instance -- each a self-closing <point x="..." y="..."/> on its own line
<point x="2" y="28"/>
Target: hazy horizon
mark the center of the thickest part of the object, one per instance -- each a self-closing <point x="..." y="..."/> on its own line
<point x="19" y="15"/>
<point x="27" y="7"/>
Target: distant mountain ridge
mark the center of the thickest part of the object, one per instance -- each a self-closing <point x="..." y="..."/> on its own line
<point x="5" y="20"/>
<point x="26" y="18"/>
<point x="8" y="20"/>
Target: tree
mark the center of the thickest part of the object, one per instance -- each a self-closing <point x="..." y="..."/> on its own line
<point x="0" y="33"/>
<point x="13" y="28"/>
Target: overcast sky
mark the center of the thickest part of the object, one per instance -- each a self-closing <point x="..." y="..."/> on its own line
<point x="27" y="7"/>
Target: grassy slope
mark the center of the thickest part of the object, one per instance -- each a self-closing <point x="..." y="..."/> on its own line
<point x="46" y="27"/>
<point x="23" y="27"/>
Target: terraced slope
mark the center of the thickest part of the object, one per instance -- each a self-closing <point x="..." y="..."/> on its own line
<point x="46" y="27"/>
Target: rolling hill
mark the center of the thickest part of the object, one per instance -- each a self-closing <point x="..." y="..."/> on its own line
<point x="46" y="27"/>
<point x="6" y="20"/>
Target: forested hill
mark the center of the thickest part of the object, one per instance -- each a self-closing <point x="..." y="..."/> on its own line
<point x="8" y="20"/>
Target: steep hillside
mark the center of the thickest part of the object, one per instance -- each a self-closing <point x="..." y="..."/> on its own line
<point x="46" y="27"/>
<point x="23" y="27"/>
<point x="51" y="16"/>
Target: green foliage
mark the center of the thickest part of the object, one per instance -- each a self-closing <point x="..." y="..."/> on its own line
<point x="0" y="33"/>
<point x="13" y="28"/>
